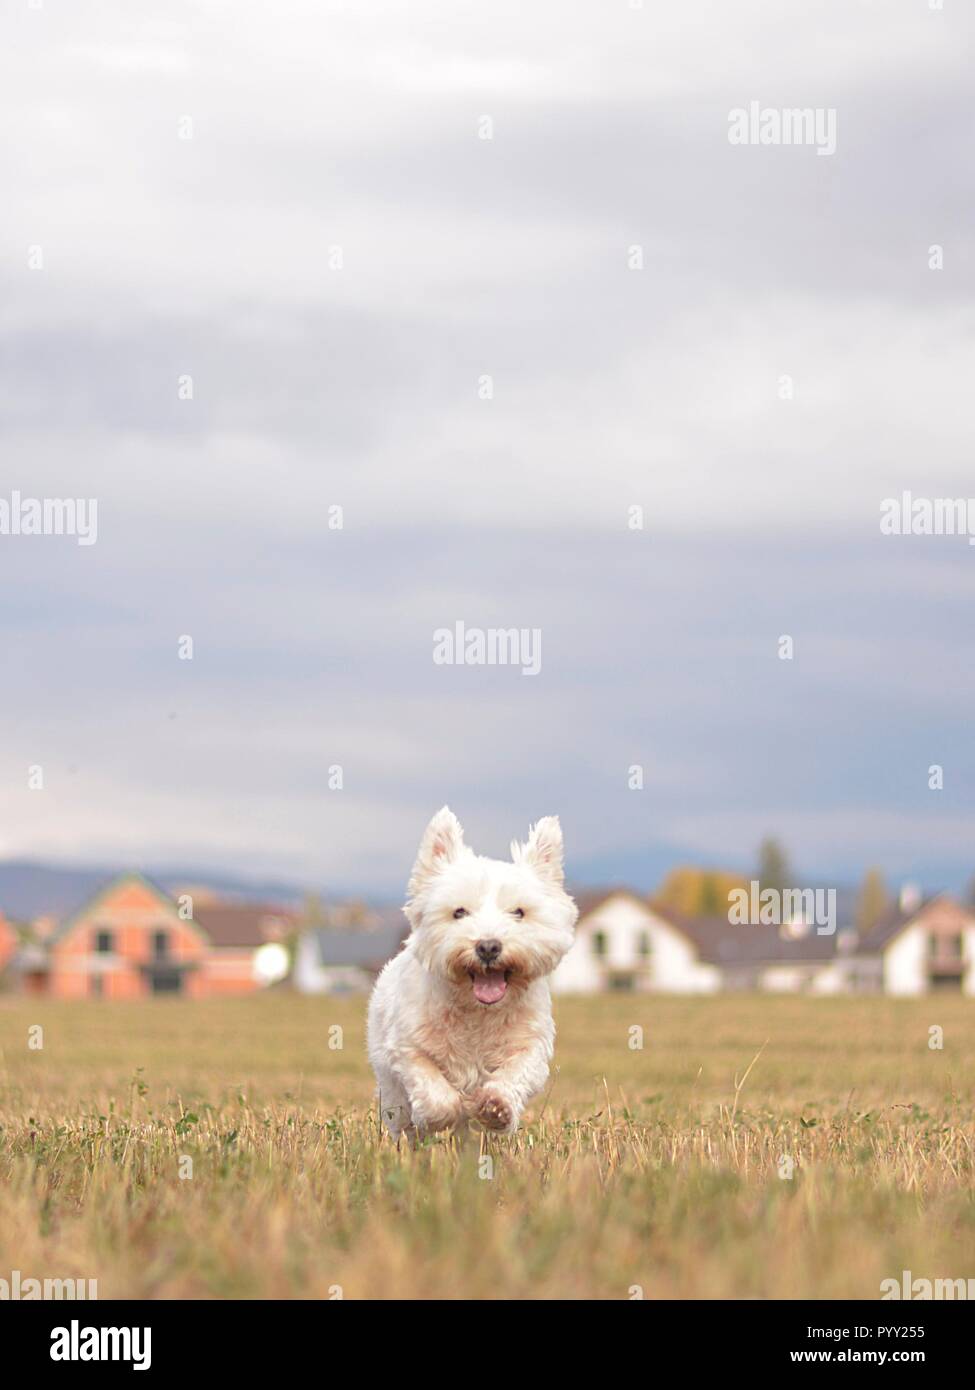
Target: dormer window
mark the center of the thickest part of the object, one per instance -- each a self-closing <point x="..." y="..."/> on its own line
<point x="599" y="943"/>
<point x="104" y="942"/>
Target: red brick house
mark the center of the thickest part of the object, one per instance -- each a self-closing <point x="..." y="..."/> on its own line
<point x="132" y="940"/>
<point x="126" y="942"/>
<point x="8" y="942"/>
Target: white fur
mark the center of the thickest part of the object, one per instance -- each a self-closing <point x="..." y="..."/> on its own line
<point x="440" y="1056"/>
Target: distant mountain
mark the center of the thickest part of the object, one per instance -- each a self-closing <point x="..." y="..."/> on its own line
<point x="29" y="889"/>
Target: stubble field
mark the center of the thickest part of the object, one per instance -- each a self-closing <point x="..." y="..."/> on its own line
<point x="231" y="1149"/>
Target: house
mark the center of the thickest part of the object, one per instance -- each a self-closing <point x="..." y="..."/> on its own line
<point x="8" y="943"/>
<point x="623" y="943"/>
<point x="128" y="941"/>
<point x="336" y="960"/>
<point x="919" y="948"/>
<point x="787" y="958"/>
<point x="27" y="971"/>
<point x="247" y="942"/>
<point x="132" y="939"/>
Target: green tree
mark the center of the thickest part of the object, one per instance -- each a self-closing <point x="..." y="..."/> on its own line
<point x="711" y="904"/>
<point x="773" y="866"/>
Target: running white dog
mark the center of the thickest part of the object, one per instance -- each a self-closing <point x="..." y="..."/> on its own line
<point x="460" y="1022"/>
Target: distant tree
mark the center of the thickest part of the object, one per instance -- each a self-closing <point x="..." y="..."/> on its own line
<point x="710" y="896"/>
<point x="773" y="866"/>
<point x="678" y="890"/>
<point x="970" y="898"/>
<point x="872" y="900"/>
<point x="698" y="892"/>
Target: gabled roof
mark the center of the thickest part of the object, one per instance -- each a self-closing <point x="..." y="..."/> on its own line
<point x="720" y="942"/>
<point x="589" y="900"/>
<point x="243" y="924"/>
<point x="892" y="923"/>
<point x="368" y="949"/>
<point x="91" y="904"/>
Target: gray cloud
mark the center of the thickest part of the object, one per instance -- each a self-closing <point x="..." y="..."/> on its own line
<point x="335" y="125"/>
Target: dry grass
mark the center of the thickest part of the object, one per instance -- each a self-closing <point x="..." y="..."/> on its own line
<point x="656" y="1167"/>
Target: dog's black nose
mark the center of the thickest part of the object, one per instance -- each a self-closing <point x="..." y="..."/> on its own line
<point x="488" y="951"/>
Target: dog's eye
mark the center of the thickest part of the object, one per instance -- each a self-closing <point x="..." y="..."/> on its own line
<point x="459" y="912"/>
<point x="519" y="913"/>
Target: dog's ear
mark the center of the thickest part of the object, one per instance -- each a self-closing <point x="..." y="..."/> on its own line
<point x="442" y="842"/>
<point x="543" y="850"/>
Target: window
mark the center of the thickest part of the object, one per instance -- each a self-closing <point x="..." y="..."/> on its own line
<point x="599" y="943"/>
<point x="643" y="944"/>
<point x="104" y="942"/>
<point x="160" y="945"/>
<point x="945" y="947"/>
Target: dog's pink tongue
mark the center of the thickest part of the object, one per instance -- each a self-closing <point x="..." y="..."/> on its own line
<point x="490" y="987"/>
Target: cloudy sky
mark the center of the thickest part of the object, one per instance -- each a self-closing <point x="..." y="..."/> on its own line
<point x="295" y="206"/>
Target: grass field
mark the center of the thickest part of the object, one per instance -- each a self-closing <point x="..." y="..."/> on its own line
<point x="651" y="1167"/>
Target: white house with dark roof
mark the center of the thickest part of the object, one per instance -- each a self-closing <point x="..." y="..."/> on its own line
<point x="924" y="948"/>
<point x="624" y="942"/>
<point x="332" y="960"/>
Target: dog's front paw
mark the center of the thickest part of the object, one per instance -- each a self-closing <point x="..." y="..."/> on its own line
<point x="441" y="1110"/>
<point x="494" y="1111"/>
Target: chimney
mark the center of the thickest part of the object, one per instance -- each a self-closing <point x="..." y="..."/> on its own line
<point x="909" y="899"/>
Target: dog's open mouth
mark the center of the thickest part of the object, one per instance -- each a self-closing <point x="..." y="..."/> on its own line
<point x="491" y="986"/>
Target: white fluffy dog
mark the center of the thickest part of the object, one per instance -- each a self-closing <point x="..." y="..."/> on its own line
<point x="460" y="1022"/>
